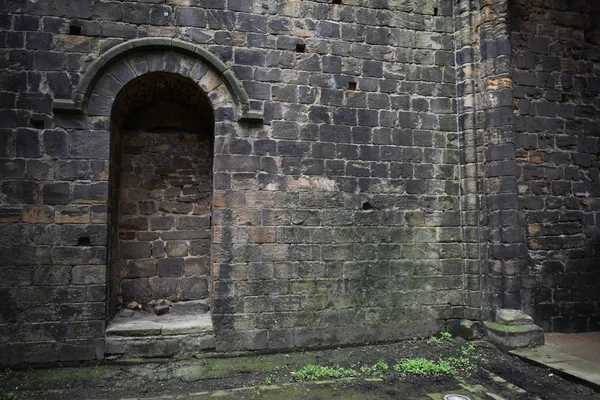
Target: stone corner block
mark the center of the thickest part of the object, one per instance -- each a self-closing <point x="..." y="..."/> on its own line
<point x="470" y="330"/>
<point x="510" y="337"/>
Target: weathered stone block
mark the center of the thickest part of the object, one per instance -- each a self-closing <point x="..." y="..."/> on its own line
<point x="509" y="337"/>
<point x="170" y="267"/>
<point x="78" y="350"/>
<point x="135" y="250"/>
<point x="165" y="288"/>
<point x="193" y="288"/>
<point x="56" y="193"/>
<point x="72" y="215"/>
<point x="136" y="290"/>
<point x="143" y="268"/>
<point x="161" y="223"/>
<point x="20" y="192"/>
<point x="176" y="249"/>
<point x="28" y="143"/>
<point x="89" y="144"/>
<point x="88" y="274"/>
<point x="92" y="193"/>
<point x="190" y="16"/>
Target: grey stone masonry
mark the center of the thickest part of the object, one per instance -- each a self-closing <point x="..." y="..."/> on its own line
<point x="502" y="237"/>
<point x="164" y="216"/>
<point x="377" y="170"/>
<point x="557" y="125"/>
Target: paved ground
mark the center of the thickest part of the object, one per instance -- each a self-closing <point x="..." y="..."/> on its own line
<point x="484" y="373"/>
<point x="574" y="354"/>
<point x="583" y="345"/>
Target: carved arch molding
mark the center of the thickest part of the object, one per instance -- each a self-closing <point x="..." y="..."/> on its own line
<point x="106" y="76"/>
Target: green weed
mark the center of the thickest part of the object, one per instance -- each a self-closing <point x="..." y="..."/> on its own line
<point x="444" y="337"/>
<point x="421" y="366"/>
<point x="317" y="372"/>
<point x="462" y="363"/>
<point x="378" y="369"/>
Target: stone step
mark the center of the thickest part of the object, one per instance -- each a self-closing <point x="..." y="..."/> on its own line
<point x="513" y="317"/>
<point x="509" y="337"/>
<point x="142" y="334"/>
<point x="152" y="325"/>
<point x="189" y="345"/>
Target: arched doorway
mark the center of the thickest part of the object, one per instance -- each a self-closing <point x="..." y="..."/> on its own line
<point x="162" y="183"/>
<point x="161" y="197"/>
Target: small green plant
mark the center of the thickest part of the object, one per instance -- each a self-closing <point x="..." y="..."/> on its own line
<point x="382" y="367"/>
<point x="421" y="366"/>
<point x="462" y="363"/>
<point x="444" y="337"/>
<point x="434" y="340"/>
<point x="317" y="372"/>
<point x="469" y="350"/>
<point x="378" y="369"/>
<point x="267" y="380"/>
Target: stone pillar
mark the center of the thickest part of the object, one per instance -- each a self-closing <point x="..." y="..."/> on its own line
<point x="466" y="51"/>
<point x="505" y="252"/>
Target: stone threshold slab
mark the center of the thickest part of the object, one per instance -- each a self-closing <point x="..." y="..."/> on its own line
<point x="562" y="362"/>
<point x="165" y="325"/>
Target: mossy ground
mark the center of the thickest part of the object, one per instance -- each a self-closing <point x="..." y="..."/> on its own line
<point x="270" y="376"/>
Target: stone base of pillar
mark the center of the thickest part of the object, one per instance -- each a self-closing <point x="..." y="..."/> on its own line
<point x="513" y="329"/>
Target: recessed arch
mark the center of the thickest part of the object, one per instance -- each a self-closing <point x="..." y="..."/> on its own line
<point x="162" y="150"/>
<point x="98" y="69"/>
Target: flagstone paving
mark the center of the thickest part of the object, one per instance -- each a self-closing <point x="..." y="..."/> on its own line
<point x="571" y="354"/>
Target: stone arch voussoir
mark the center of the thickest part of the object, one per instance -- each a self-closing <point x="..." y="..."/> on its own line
<point x="106" y="76"/>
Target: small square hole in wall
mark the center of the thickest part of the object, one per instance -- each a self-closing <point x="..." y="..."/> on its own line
<point x="75" y="30"/>
<point x="435" y="11"/>
<point x="84" y="241"/>
<point x="336" y="1"/>
<point x="351" y="85"/>
<point x="300" y="47"/>
<point x="36" y="123"/>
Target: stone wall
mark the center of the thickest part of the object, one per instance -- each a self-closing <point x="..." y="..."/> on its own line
<point x="164" y="216"/>
<point x="350" y="231"/>
<point x="336" y="221"/>
<point x="556" y="73"/>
